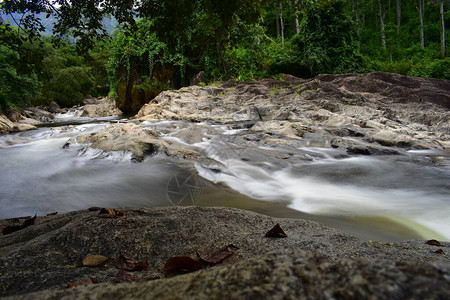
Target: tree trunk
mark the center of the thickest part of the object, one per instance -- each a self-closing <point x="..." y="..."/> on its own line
<point x="442" y="30"/>
<point x="296" y="22"/>
<point x="277" y="17"/>
<point x="383" y="30"/>
<point x="358" y="24"/>
<point x="399" y="15"/>
<point x="422" y="34"/>
<point x="282" y="25"/>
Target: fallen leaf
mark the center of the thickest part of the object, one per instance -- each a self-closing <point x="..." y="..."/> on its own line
<point x="94" y="260"/>
<point x="28" y="222"/>
<point x="129" y="264"/>
<point x="94" y="208"/>
<point x="215" y="257"/>
<point x="439" y="251"/>
<point x="434" y="243"/>
<point x="82" y="282"/>
<point x="182" y="264"/>
<point x="276" y="232"/>
<point x="112" y="212"/>
<point x="52" y="214"/>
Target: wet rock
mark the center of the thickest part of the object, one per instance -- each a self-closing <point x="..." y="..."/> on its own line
<point x="141" y="142"/>
<point x="53" y="107"/>
<point x="313" y="261"/>
<point x="6" y="125"/>
<point x="100" y="108"/>
<point x="380" y="108"/>
<point x="39" y="114"/>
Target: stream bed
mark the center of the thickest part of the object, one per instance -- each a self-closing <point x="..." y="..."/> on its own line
<point x="385" y="197"/>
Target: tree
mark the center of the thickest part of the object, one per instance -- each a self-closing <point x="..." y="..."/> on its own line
<point x="421" y="9"/>
<point x="398" y="15"/>
<point x="328" y="38"/>
<point x="382" y="15"/>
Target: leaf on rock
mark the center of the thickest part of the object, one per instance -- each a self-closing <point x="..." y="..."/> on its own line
<point x="129" y="264"/>
<point x="112" y="212"/>
<point x="182" y="264"/>
<point x="217" y="256"/>
<point x="94" y="260"/>
<point x="52" y="214"/>
<point x="439" y="251"/>
<point x="82" y="282"/>
<point x="434" y="243"/>
<point x="276" y="232"/>
<point x="94" y="208"/>
<point x="28" y="222"/>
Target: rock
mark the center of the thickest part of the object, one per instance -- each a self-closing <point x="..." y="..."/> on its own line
<point x="313" y="261"/>
<point x="380" y="108"/>
<point x="104" y="108"/>
<point x="133" y="138"/>
<point x="198" y="78"/>
<point x="53" y="107"/>
<point x="392" y="138"/>
<point x="38" y="114"/>
<point x="7" y="126"/>
<point x="30" y="121"/>
<point x="24" y="127"/>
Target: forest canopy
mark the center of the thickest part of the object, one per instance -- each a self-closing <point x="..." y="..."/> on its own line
<point x="163" y="44"/>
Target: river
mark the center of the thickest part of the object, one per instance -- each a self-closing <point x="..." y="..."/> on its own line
<point x="386" y="198"/>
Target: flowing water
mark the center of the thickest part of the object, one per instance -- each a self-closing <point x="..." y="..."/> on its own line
<point x="375" y="197"/>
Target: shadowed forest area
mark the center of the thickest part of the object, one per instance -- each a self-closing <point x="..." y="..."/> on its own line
<point x="160" y="45"/>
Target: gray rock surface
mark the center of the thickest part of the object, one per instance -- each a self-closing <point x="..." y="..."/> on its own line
<point x="100" y="108"/>
<point x="379" y="108"/>
<point x="133" y="138"/>
<point x="314" y="261"/>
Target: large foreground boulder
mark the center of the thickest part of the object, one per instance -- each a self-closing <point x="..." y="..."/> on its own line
<point x="313" y="261"/>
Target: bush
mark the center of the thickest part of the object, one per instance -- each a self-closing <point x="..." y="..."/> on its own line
<point x="68" y="86"/>
<point x="436" y="68"/>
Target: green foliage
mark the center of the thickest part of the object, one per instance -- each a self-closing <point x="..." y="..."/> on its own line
<point x="15" y="89"/>
<point x="328" y="39"/>
<point x="68" y="86"/>
<point x="435" y="68"/>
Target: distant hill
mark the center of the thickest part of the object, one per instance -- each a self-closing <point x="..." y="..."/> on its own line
<point x="109" y="23"/>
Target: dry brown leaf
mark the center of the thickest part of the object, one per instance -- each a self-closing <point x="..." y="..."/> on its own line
<point x="217" y="256"/>
<point x="82" y="282"/>
<point x="181" y="264"/>
<point x="94" y="260"/>
<point x="434" y="243"/>
<point x="439" y="251"/>
<point x="52" y="214"/>
<point x="94" y="208"/>
<point x="276" y="232"/>
<point x="112" y="212"/>
<point x="129" y="264"/>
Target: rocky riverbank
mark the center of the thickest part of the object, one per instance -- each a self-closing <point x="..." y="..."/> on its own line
<point x="360" y="114"/>
<point x="16" y="120"/>
<point x="313" y="261"/>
